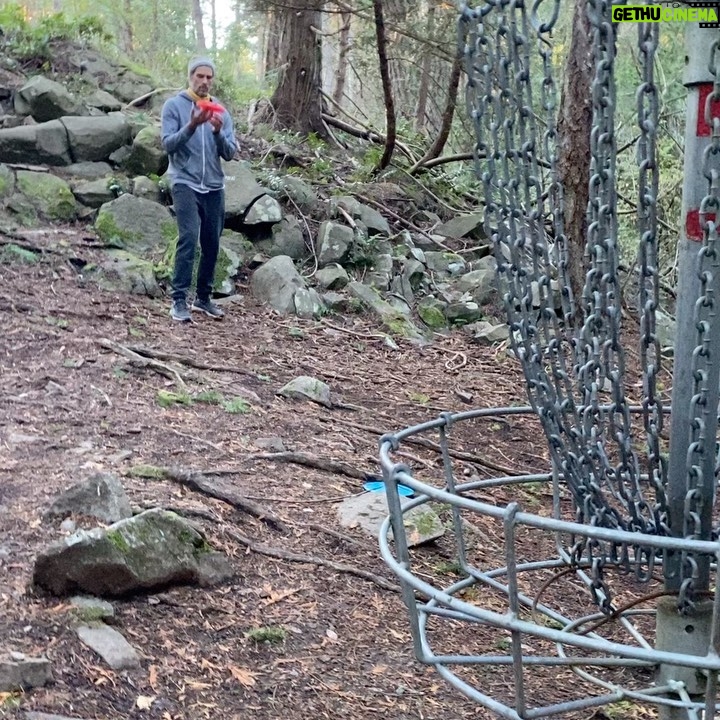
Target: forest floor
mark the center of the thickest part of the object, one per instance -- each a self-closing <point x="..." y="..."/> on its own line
<point x="72" y="404"/>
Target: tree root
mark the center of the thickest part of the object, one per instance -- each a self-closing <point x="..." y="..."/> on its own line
<point x="200" y="483"/>
<point x="140" y="361"/>
<point x="300" y="458"/>
<point x="282" y="554"/>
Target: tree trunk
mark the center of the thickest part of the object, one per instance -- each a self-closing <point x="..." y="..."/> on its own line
<point x="297" y="98"/>
<point x="448" y="114"/>
<point x="343" y="52"/>
<point x="200" y="45"/>
<point x="421" y="109"/>
<point x="574" y="127"/>
<point x="127" y="29"/>
<point x="387" y="86"/>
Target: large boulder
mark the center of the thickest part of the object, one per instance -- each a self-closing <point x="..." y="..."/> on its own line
<point x="102" y="496"/>
<point x="50" y="196"/>
<point x="42" y="144"/>
<point x="135" y="224"/>
<point x="276" y="283"/>
<point x="147" y="552"/>
<point x="122" y="271"/>
<point x="95" y="138"/>
<point x="147" y="156"/>
<point x="46" y="100"/>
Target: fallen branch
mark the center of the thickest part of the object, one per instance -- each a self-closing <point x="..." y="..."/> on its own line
<point x="300" y="458"/>
<point x="185" y="360"/>
<point x="282" y="554"/>
<point x="140" y="361"/>
<point x="200" y="483"/>
<point x="430" y="445"/>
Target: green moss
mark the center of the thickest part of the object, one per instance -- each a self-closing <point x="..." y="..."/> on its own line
<point x="211" y="397"/>
<point x="14" y="253"/>
<point x="236" y="405"/>
<point x="118" y="540"/>
<point x="147" y="471"/>
<point x="165" y="398"/>
<point x="48" y="194"/>
<point x="271" y="634"/>
<point x="399" y="326"/>
<point x="109" y="232"/>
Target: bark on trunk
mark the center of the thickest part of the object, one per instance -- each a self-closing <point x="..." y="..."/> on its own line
<point x="297" y="100"/>
<point x="387" y="86"/>
<point x="574" y="127"/>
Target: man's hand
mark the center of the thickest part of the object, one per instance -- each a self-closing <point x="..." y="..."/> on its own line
<point x="198" y="117"/>
<point x="217" y="122"/>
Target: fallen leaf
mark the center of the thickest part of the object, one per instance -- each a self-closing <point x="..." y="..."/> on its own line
<point x="153" y="677"/>
<point x="144" y="702"/>
<point x="244" y="677"/>
<point x="379" y="669"/>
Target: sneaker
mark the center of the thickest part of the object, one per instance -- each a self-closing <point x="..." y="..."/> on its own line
<point x="179" y="311"/>
<point x="209" y="308"/>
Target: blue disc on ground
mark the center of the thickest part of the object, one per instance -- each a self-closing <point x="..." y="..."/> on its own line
<point x="379" y="486"/>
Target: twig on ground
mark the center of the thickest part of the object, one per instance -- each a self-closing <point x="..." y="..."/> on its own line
<point x="282" y="554"/>
<point x="301" y="458"/>
<point x="430" y="445"/>
<point x="200" y="483"/>
<point x="185" y="360"/>
<point x="197" y="439"/>
<point x="140" y="361"/>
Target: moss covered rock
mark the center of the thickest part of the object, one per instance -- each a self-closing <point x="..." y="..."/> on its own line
<point x="49" y="195"/>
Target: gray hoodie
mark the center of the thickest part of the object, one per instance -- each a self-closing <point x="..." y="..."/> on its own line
<point x="195" y="154"/>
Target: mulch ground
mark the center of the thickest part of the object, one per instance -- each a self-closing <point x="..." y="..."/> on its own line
<point x="83" y="375"/>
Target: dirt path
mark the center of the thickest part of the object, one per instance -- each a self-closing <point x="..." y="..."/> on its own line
<point x="72" y="402"/>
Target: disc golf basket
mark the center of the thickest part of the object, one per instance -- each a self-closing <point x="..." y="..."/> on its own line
<point x="605" y="590"/>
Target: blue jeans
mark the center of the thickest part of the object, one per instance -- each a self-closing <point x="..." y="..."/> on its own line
<point x="200" y="216"/>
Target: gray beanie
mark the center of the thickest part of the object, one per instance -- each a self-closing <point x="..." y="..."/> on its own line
<point x="197" y="62"/>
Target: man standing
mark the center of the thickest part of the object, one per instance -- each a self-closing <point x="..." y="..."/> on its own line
<point x="196" y="135"/>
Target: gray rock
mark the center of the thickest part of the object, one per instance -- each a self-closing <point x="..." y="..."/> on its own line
<point x="393" y="320"/>
<point x="50" y="196"/>
<point x="332" y="277"/>
<point x="102" y="100"/>
<point x="92" y="608"/>
<point x="463" y="312"/>
<point x="485" y="332"/>
<point x="20" y="672"/>
<point x="147" y="155"/>
<point x="480" y="284"/>
<point x="86" y="170"/>
<point x="276" y="282"/>
<point x="95" y="138"/>
<point x="308" y="303"/>
<point x="334" y="242"/>
<point x="93" y="193"/>
<point x="110" y="645"/>
<point x="46" y="100"/>
<point x="441" y="262"/>
<point x="307" y="388"/>
<point x="265" y="209"/>
<point x="144" y="553"/>
<point x="135" y="224"/>
<point x="369" y="510"/>
<point x="102" y="496"/>
<point x="461" y="226"/>
<point x="241" y="190"/>
<point x="287" y="239"/>
<point x="271" y="444"/>
<point x="214" y="569"/>
<point x="125" y="272"/>
<point x="42" y="144"/>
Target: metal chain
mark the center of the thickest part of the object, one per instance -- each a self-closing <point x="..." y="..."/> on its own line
<point x="704" y="403"/>
<point x="574" y="379"/>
